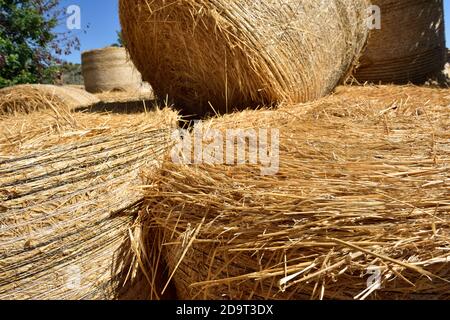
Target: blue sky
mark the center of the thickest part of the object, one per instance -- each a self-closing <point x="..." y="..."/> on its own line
<point x="102" y="18"/>
<point x="99" y="22"/>
<point x="447" y="20"/>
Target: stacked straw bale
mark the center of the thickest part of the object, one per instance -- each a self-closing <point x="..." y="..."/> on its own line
<point x="109" y="69"/>
<point x="30" y="98"/>
<point x="146" y="94"/>
<point x="363" y="187"/>
<point x="409" y="47"/>
<point x="68" y="199"/>
<point x="215" y="55"/>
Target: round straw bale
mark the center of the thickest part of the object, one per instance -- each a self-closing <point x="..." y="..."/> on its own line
<point x="224" y="55"/>
<point x="68" y="201"/>
<point x="358" y="209"/>
<point x="109" y="69"/>
<point x="29" y="98"/>
<point x="409" y="47"/>
<point x="145" y="93"/>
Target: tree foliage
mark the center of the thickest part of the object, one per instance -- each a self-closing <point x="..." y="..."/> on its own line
<point x="29" y="42"/>
<point x="71" y="73"/>
<point x="119" y="42"/>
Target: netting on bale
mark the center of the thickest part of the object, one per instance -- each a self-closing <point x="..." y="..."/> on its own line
<point x="409" y="47"/>
<point x="69" y="195"/>
<point x="216" y="56"/>
<point x="109" y="69"/>
<point x="30" y="98"/>
<point x="359" y="208"/>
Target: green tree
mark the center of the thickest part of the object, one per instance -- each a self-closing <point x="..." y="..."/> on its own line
<point x="29" y="42"/>
<point x="119" y="42"/>
<point x="71" y="73"/>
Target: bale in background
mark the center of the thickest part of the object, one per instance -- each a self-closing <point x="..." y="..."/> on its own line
<point x="144" y="94"/>
<point x="69" y="195"/>
<point x="409" y="47"/>
<point x="124" y="101"/>
<point x="30" y="98"/>
<point x="109" y="69"/>
<point x="362" y="193"/>
<point x="221" y="55"/>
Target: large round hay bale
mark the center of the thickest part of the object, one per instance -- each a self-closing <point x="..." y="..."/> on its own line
<point x="30" y="98"/>
<point x="232" y="54"/>
<point x="109" y="69"/>
<point x="409" y="47"/>
<point x="358" y="208"/>
<point x="68" y="201"/>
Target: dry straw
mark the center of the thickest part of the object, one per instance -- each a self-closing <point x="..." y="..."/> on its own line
<point x="409" y="47"/>
<point x="68" y="199"/>
<point x="219" y="55"/>
<point x="363" y="191"/>
<point x="30" y="98"/>
<point x="109" y="69"/>
<point x="123" y="102"/>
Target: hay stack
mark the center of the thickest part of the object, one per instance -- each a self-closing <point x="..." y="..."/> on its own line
<point x="224" y="55"/>
<point x="30" y="98"/>
<point x="68" y="199"/>
<point x="146" y="94"/>
<point x="109" y="69"/>
<point x="410" y="47"/>
<point x="123" y="102"/>
<point x="363" y="187"/>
